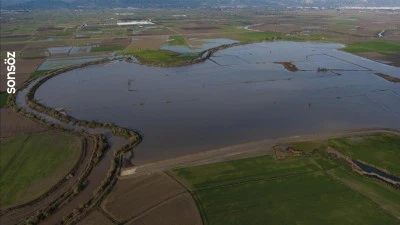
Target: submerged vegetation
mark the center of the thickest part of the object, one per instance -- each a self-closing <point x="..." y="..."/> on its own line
<point x="243" y="188"/>
<point x="160" y="57"/>
<point x="388" y="77"/>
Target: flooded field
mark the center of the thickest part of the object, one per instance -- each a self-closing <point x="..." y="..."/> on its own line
<point x="57" y="63"/>
<point x="199" y="46"/>
<point x="240" y="94"/>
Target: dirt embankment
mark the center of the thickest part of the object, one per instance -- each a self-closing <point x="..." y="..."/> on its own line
<point x="388" y="77"/>
<point x="282" y="152"/>
<point x="289" y="66"/>
<point x="245" y="150"/>
<point x="357" y="169"/>
<point x="390" y="59"/>
<point x="67" y="207"/>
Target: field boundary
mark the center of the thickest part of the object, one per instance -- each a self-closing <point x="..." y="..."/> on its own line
<point x="363" y="195"/>
<point x="197" y="201"/>
<point x="83" y="153"/>
<point x="133" y="137"/>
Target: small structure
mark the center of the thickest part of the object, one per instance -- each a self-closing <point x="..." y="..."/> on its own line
<point x="135" y="22"/>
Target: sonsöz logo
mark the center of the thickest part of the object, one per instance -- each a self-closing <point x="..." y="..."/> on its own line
<point x="10" y="62"/>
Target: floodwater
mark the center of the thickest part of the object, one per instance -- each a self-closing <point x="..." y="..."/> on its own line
<point x="99" y="171"/>
<point x="370" y="169"/>
<point x="57" y="63"/>
<point x="238" y="95"/>
<point x="205" y="45"/>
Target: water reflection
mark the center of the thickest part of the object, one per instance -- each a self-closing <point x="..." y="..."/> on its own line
<point x="238" y="95"/>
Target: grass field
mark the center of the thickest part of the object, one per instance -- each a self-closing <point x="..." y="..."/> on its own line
<point x="380" y="150"/>
<point x="176" y="40"/>
<point x="30" y="164"/>
<point x="383" y="195"/>
<point x="256" y="36"/>
<point x="298" y="190"/>
<point x="373" y="46"/>
<point x="3" y="99"/>
<point x="159" y="56"/>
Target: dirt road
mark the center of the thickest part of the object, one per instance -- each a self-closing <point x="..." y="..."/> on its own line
<point x="251" y="149"/>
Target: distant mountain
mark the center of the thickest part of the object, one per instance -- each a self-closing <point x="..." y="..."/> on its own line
<point x="49" y="4"/>
<point x="37" y="4"/>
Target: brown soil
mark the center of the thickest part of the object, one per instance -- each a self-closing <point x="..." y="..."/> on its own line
<point x="194" y="42"/>
<point x="393" y="59"/>
<point x="388" y="77"/>
<point x="147" y="43"/>
<point x="197" y="30"/>
<point x="95" y="218"/>
<point x="132" y="197"/>
<point x="30" y="53"/>
<point x="282" y="152"/>
<point x="45" y="45"/>
<point x="200" y="28"/>
<point x="181" y="210"/>
<point x="156" y="32"/>
<point x="17" y="36"/>
<point x="288" y="66"/>
<point x="12" y="47"/>
<point x="24" y="68"/>
<point x="340" y="155"/>
<point x="116" y="41"/>
<point x="49" y="28"/>
<point x="13" y="123"/>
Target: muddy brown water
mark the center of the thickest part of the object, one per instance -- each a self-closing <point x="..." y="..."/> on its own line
<point x="238" y="95"/>
<point x="97" y="175"/>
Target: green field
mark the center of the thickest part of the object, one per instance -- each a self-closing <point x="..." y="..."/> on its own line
<point x="176" y="40"/>
<point x="159" y="56"/>
<point x="30" y="164"/>
<point x="3" y="99"/>
<point x="300" y="190"/>
<point x="380" y="150"/>
<point x="256" y="36"/>
<point x="373" y="46"/>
